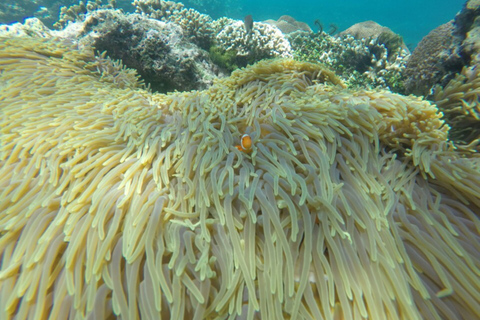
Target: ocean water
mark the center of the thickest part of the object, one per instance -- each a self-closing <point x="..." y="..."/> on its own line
<point x="412" y="19"/>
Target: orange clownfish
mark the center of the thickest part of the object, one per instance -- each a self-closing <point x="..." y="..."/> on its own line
<point x="245" y="144"/>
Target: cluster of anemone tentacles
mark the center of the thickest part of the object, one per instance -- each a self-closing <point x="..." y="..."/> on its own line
<point x="117" y="202"/>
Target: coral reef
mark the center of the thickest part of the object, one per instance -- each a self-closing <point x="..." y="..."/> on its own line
<point x="157" y="9"/>
<point x="234" y="47"/>
<point x="264" y="41"/>
<point x="288" y="24"/>
<point x="445" y="51"/>
<point x="434" y="61"/>
<point x="120" y="203"/>
<point x="53" y="12"/>
<point x="467" y="30"/>
<point x="227" y="60"/>
<point x="157" y="50"/>
<point x="197" y="27"/>
<point x="77" y="12"/>
<point x="31" y="27"/>
<point x="372" y="30"/>
<point x="362" y="63"/>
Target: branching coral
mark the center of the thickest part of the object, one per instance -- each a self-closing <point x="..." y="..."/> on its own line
<point x="117" y="202"/>
<point x="264" y="41"/>
<point x="77" y="12"/>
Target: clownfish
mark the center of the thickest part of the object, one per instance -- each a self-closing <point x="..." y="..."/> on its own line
<point x="245" y="144"/>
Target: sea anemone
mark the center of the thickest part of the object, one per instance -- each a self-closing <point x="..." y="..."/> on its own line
<point x="459" y="101"/>
<point x="117" y="202"/>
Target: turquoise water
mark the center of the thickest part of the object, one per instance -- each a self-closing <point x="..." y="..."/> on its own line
<point x="411" y="19"/>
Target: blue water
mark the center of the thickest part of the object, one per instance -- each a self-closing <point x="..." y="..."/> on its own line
<point x="412" y="19"/>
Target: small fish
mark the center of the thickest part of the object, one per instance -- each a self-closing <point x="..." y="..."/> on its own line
<point x="245" y="144"/>
<point x="248" y="22"/>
